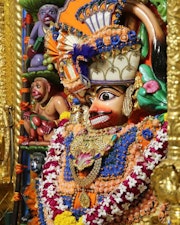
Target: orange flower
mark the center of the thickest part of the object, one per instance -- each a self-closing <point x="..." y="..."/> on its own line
<point x="24" y="106"/>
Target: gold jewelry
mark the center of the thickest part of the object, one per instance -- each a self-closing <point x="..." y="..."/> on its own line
<point x="127" y="103"/>
<point x="56" y="122"/>
<point x="84" y="182"/>
<point x="93" y="145"/>
<point x="84" y="199"/>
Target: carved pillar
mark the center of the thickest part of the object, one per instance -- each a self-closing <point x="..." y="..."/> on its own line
<point x="166" y="178"/>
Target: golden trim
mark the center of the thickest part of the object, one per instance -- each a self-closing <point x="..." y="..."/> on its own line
<point x="173" y="50"/>
<point x="165" y="178"/>
<point x="18" y="72"/>
<point x="10" y="79"/>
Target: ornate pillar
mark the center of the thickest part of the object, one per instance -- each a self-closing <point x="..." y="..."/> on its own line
<point x="166" y="178"/>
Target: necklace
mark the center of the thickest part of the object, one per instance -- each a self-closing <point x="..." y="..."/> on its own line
<point x="84" y="182"/>
<point x="86" y="148"/>
<point x="156" y="148"/>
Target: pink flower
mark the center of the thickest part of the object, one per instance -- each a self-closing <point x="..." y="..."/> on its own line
<point x="151" y="86"/>
<point x="84" y="160"/>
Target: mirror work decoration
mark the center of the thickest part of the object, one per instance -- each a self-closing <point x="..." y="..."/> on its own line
<point x="96" y="143"/>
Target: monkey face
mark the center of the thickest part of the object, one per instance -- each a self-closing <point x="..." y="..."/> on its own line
<point x="39" y="88"/>
<point x="47" y="14"/>
<point x="105" y="106"/>
<point x="37" y="161"/>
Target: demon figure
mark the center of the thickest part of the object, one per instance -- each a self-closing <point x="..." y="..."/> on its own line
<point x="47" y="14"/>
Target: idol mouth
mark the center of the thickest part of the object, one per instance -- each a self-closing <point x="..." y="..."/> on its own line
<point x="48" y="19"/>
<point x="36" y="96"/>
<point x="99" y="120"/>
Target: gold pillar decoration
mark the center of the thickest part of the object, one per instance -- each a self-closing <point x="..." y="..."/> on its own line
<point x="18" y="72"/>
<point x="10" y="84"/>
<point x="166" y="178"/>
<point x="4" y="134"/>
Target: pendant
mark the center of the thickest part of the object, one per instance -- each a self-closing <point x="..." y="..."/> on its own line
<point x="84" y="199"/>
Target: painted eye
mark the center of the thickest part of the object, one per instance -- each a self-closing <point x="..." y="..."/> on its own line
<point x="38" y="86"/>
<point x="42" y="13"/>
<point x="52" y="12"/>
<point x="105" y="96"/>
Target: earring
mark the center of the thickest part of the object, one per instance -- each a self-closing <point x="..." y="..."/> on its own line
<point x="127" y="103"/>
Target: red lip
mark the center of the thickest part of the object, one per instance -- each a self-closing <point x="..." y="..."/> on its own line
<point x="98" y="120"/>
<point x="48" y="19"/>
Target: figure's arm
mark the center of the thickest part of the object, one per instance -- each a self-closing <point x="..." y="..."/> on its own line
<point x="34" y="33"/>
<point x="37" y="29"/>
<point x="60" y="105"/>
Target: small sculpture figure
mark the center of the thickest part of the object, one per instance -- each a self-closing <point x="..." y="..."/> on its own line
<point x="49" y="104"/>
<point x="47" y="14"/>
<point x="37" y="161"/>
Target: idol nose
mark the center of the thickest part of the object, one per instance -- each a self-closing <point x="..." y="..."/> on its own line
<point x="94" y="106"/>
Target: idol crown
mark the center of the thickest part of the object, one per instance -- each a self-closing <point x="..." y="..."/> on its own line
<point x="98" y="13"/>
<point x="114" y="53"/>
<point x="109" y="55"/>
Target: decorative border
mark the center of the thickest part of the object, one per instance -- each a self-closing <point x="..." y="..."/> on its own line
<point x="10" y="66"/>
<point x="173" y="70"/>
<point x="13" y="71"/>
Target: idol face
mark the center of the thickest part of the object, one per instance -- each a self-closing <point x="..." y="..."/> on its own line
<point x="38" y="89"/>
<point x="47" y="14"/>
<point x="37" y="162"/>
<point x="106" y="105"/>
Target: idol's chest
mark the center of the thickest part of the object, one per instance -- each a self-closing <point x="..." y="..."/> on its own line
<point x="105" y="170"/>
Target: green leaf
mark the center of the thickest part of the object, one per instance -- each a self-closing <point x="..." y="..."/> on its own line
<point x="161" y="6"/>
<point x="143" y="35"/>
<point x="147" y="73"/>
<point x="151" y="101"/>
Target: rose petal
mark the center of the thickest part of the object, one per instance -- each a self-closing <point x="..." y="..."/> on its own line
<point x="151" y="86"/>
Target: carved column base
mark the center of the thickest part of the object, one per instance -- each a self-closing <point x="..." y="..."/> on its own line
<point x="166" y="183"/>
<point x="174" y="213"/>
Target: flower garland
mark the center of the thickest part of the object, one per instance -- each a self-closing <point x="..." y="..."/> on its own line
<point x="47" y="188"/>
<point x="41" y="220"/>
<point x="113" y="205"/>
<point x="133" y="185"/>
